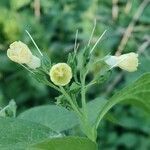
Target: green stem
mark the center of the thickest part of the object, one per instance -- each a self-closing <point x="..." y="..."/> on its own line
<point x="83" y="93"/>
<point x="74" y="100"/>
<point x="53" y="86"/>
<point x="90" y="84"/>
<point x="75" y="78"/>
<point x="69" y="99"/>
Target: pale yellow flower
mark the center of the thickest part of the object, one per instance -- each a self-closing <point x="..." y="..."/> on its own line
<point x="19" y="52"/>
<point x="128" y="62"/>
<point x="60" y="74"/>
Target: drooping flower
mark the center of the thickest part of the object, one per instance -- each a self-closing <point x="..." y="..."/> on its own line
<point x="60" y="74"/>
<point x="20" y="53"/>
<point x="128" y="62"/>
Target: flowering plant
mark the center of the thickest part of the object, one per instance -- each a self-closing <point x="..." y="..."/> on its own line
<point x="70" y="80"/>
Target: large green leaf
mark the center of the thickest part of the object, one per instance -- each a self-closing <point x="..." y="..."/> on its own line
<point x="94" y="108"/>
<point x="66" y="143"/>
<point x="58" y="118"/>
<point x="55" y="117"/>
<point x="138" y="93"/>
<point x="16" y="134"/>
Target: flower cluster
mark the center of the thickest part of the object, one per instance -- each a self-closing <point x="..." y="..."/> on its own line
<point x="61" y="73"/>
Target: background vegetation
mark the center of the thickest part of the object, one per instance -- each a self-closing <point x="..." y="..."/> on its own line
<point x="53" y="24"/>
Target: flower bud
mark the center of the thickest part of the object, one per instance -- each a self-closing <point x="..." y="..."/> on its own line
<point x="61" y="74"/>
<point x="19" y="52"/>
<point x="34" y="63"/>
<point x="128" y="62"/>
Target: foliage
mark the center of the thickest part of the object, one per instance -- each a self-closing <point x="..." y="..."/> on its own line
<point x="75" y="143"/>
<point x="54" y="32"/>
<point x="17" y="134"/>
<point x="55" y="117"/>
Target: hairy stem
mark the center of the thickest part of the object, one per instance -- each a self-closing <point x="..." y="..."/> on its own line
<point x="53" y="86"/>
<point x="83" y="93"/>
<point x="69" y="99"/>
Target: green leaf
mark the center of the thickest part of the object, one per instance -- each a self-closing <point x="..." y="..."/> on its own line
<point x="137" y="93"/>
<point x="55" y="117"/>
<point x="60" y="100"/>
<point x="16" y="134"/>
<point x="66" y="143"/>
<point x="58" y="118"/>
<point x="75" y="87"/>
<point x="94" y="107"/>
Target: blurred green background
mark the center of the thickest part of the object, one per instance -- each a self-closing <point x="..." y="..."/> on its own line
<point x="53" y="24"/>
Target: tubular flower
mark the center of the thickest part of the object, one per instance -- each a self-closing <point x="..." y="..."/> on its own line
<point x="20" y="53"/>
<point x="60" y="74"/>
<point x="128" y="62"/>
